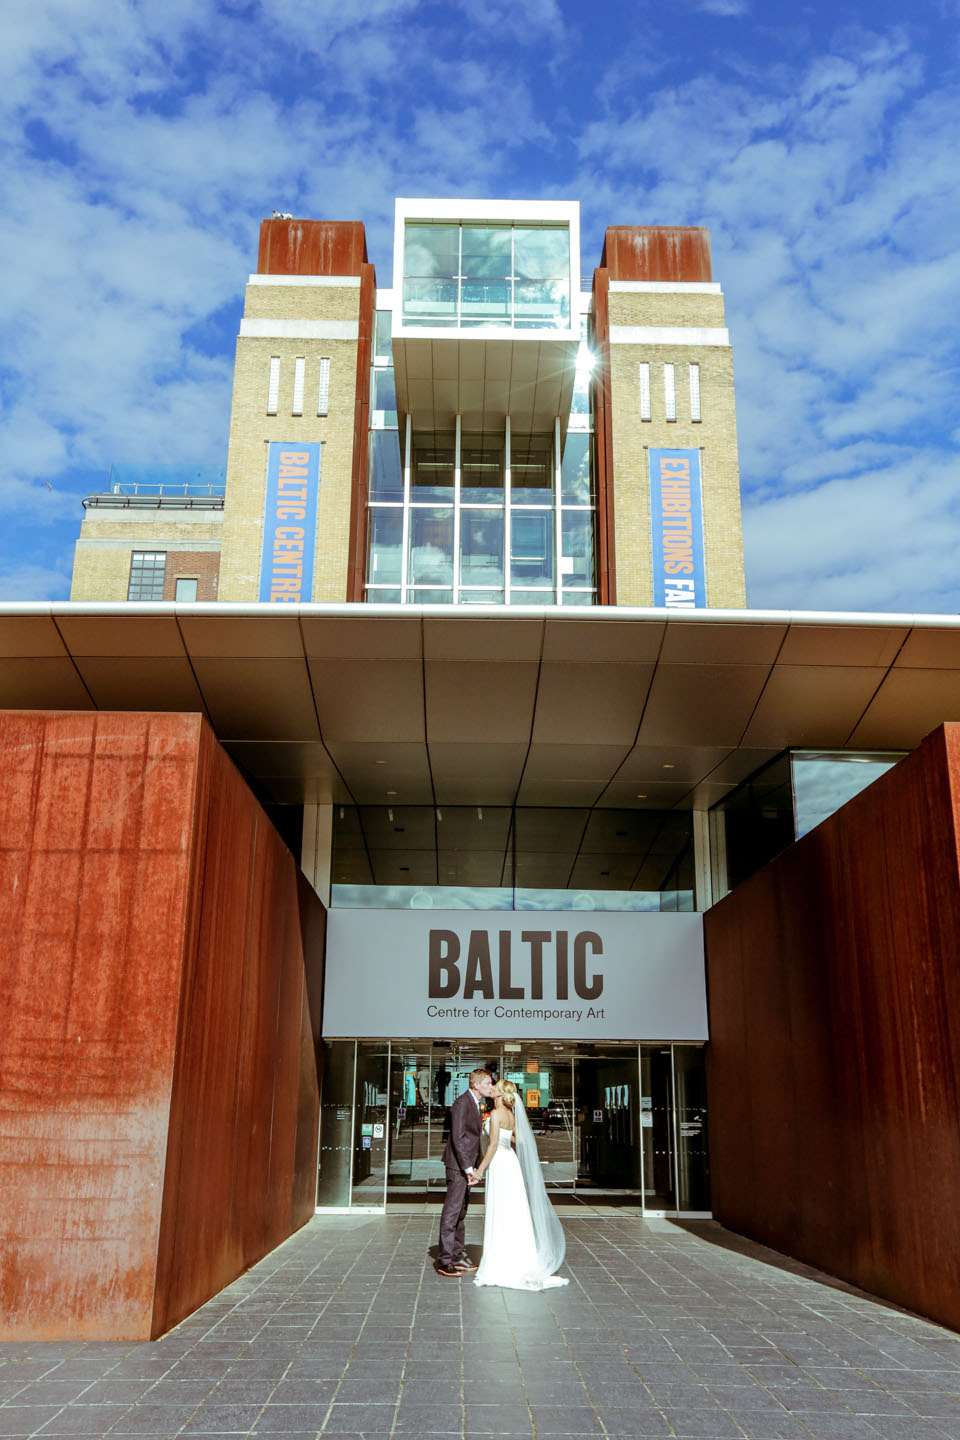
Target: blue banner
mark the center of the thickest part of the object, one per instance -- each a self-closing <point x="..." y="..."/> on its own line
<point x="290" y="522"/>
<point x="679" y="581"/>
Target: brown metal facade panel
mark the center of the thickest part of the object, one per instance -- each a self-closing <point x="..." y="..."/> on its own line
<point x="357" y="556"/>
<point x="241" y="1162"/>
<point x="658" y="252"/>
<point x="311" y="247"/>
<point x="95" y="825"/>
<point x="834" y="1059"/>
<point x="603" y="441"/>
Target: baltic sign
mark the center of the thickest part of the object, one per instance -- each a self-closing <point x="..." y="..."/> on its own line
<point x="475" y="974"/>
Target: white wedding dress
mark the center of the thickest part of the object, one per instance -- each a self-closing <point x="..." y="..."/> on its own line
<point x="512" y="1257"/>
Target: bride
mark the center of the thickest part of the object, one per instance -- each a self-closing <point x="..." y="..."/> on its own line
<point x="523" y="1241"/>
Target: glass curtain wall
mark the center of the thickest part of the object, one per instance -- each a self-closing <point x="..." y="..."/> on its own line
<point x="498" y="518"/>
<point x="465" y="857"/>
<point x="621" y="1119"/>
<point x="467" y="275"/>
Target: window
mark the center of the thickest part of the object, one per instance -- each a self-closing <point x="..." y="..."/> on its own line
<point x="486" y="274"/>
<point x="644" y="390"/>
<point x="147" y="571"/>
<point x="323" y="388"/>
<point x="695" y="392"/>
<point x="669" y="392"/>
<point x="273" y="387"/>
<point x="186" y="589"/>
<point x="299" y="366"/>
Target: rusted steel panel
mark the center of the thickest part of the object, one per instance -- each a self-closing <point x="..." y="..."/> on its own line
<point x="834" y="1059"/>
<point x="657" y="252"/>
<point x="158" y="1091"/>
<point x="241" y="1165"/>
<point x="357" y="554"/>
<point x="95" y="829"/>
<point x="311" y="247"/>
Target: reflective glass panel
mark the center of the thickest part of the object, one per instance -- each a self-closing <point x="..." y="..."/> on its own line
<point x="693" y="1169"/>
<point x="432" y="467"/>
<point x="532" y="597"/>
<point x="385" y="596"/>
<point x="481" y="468"/>
<point x="531" y="469"/>
<point x="481" y="547"/>
<point x="543" y="304"/>
<point x="578" y="597"/>
<point x="656" y="1127"/>
<point x="542" y="252"/>
<point x="531" y="548"/>
<point x="608" y="1113"/>
<point x="383" y="398"/>
<point x="431" y="596"/>
<point x="575" y="486"/>
<point x="386" y="467"/>
<point x="481" y="597"/>
<point x="383" y="326"/>
<point x="431" y="249"/>
<point x="577" y="553"/>
<point x="485" y="302"/>
<point x="486" y="251"/>
<point x="431" y="546"/>
<point x="370" y="1124"/>
<point x="822" y="782"/>
<point x="384" y="564"/>
<point x="336" y="1123"/>
<point x="430" y="302"/>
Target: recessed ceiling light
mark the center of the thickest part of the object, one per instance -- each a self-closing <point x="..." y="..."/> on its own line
<point x="667" y="765"/>
<point x="379" y="762"/>
<point x="641" y="797"/>
<point x="391" y="792"/>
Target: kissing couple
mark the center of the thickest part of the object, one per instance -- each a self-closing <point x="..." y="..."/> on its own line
<point x="523" y="1241"/>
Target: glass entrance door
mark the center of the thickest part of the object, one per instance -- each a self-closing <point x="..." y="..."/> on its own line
<point x="627" y="1120"/>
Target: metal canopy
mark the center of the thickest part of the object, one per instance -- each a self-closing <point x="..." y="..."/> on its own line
<point x="541" y="707"/>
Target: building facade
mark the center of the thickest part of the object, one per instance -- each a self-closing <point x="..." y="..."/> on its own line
<point x="481" y="762"/>
<point x="484" y="431"/>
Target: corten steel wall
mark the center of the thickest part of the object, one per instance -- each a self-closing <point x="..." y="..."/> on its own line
<point x="154" y="1006"/>
<point x="834" y="1055"/>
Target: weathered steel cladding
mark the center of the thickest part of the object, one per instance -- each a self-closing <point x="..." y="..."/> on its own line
<point x="311" y="247"/>
<point x="657" y="252"/>
<point x="158" y="1091"/>
<point x="834" y="1057"/>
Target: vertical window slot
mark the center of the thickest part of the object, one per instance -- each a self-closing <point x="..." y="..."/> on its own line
<point x="695" y="392"/>
<point x="299" y="365"/>
<point x="273" y="390"/>
<point x="323" y="387"/>
<point x="669" y="392"/>
<point x="644" y="390"/>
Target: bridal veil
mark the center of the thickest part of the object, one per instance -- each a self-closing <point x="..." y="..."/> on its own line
<point x="547" y="1230"/>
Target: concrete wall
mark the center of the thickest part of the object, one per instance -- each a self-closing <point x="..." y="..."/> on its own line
<point x="834" y="1058"/>
<point x="158" y="1093"/>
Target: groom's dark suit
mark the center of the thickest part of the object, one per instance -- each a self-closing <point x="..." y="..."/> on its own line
<point x="461" y="1153"/>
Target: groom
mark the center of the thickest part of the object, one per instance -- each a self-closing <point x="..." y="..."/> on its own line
<point x="461" y="1156"/>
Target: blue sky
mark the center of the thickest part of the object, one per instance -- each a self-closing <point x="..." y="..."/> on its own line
<point x="144" y="142"/>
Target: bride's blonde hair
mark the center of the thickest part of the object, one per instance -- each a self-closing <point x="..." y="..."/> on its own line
<point x="508" y="1092"/>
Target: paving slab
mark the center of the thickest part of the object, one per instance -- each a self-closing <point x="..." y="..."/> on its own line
<point x="672" y="1329"/>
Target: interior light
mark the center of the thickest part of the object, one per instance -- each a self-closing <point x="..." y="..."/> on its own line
<point x="479" y="813"/>
<point x="668" y="766"/>
<point x="439" y="816"/>
<point x="390" y="816"/>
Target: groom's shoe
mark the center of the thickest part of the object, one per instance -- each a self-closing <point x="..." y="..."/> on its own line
<point x="463" y="1264"/>
<point x="452" y="1272"/>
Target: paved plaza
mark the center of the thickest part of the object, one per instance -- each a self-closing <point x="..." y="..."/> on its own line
<point x="664" y="1330"/>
